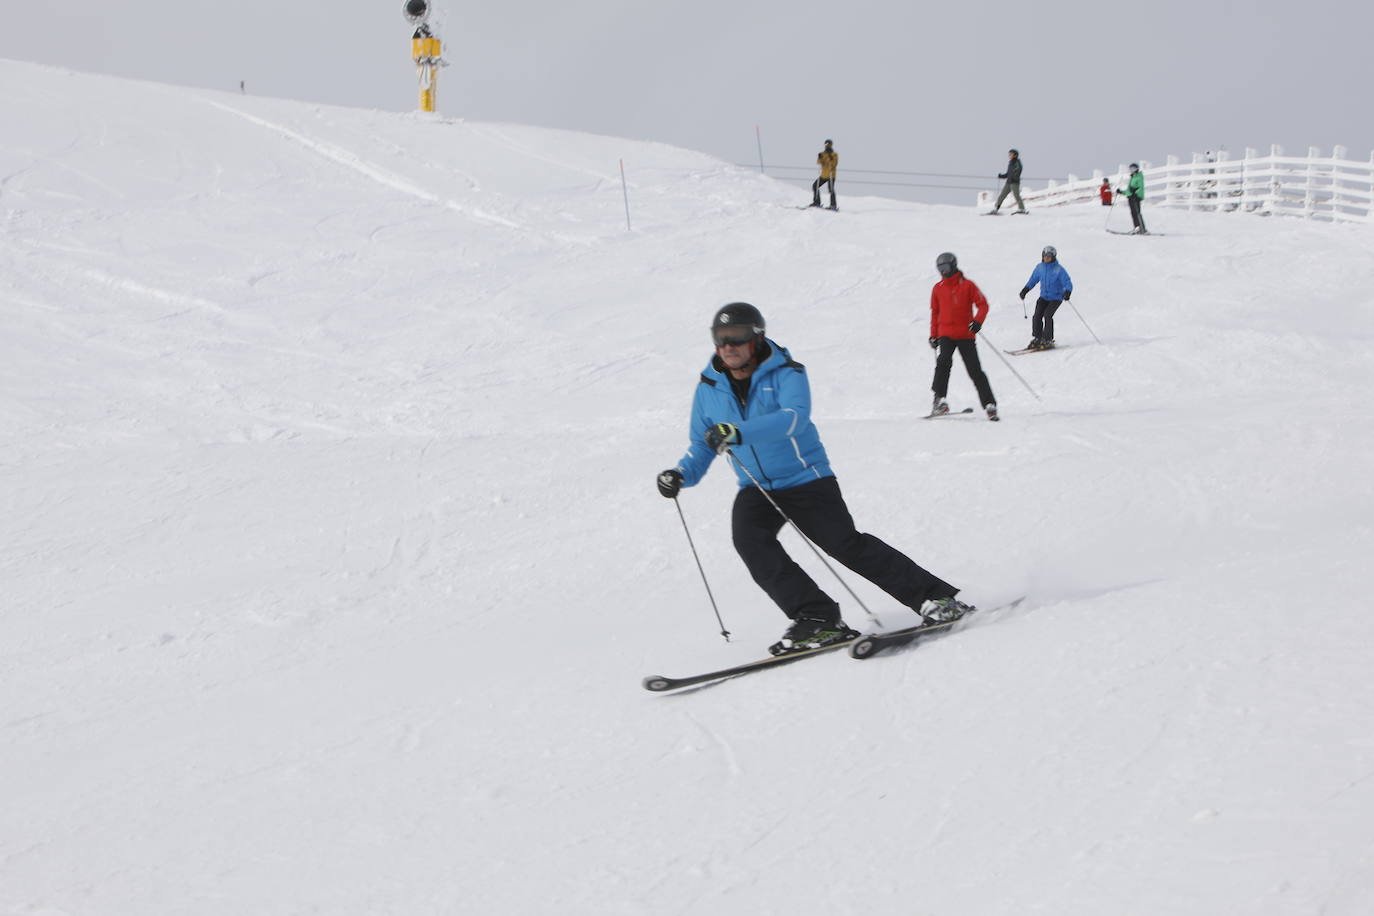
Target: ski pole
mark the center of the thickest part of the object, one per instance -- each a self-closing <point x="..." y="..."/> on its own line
<point x="1085" y="323"/>
<point x="998" y="351"/>
<point x="857" y="600"/>
<point x="723" y="632"/>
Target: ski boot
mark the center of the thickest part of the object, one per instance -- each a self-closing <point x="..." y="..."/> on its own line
<point x="944" y="610"/>
<point x="1047" y="343"/>
<point x="939" y="407"/>
<point x="1034" y="344"/>
<point x="812" y="633"/>
<point x="992" y="412"/>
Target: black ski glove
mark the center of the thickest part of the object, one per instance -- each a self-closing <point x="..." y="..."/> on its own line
<point x="1001" y="174"/>
<point x="1022" y="294"/>
<point x="975" y="326"/>
<point x="669" y="482"/>
<point x="722" y="435"/>
<point x="1067" y="294"/>
<point x="934" y="343"/>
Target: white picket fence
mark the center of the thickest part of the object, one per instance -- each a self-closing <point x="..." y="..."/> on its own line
<point x="1315" y="186"/>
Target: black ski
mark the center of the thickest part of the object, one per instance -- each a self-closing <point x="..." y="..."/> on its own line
<point x="1131" y="232"/>
<point x="659" y="684"/>
<point x="861" y="647"/>
<point x="1025" y="350"/>
<point x="870" y="645"/>
<point x="952" y="413"/>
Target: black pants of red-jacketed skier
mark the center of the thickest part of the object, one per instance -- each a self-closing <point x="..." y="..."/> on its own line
<point x="968" y="350"/>
<point x="820" y="512"/>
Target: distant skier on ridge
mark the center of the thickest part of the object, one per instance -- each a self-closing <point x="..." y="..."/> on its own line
<point x="1135" y="194"/>
<point x="1013" y="183"/>
<point x="753" y="403"/>
<point x="829" y="161"/>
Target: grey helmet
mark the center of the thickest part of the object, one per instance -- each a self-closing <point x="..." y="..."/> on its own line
<point x="947" y="264"/>
<point x="1051" y="251"/>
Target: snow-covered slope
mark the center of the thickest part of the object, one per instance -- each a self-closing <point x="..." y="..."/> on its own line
<point x="332" y="558"/>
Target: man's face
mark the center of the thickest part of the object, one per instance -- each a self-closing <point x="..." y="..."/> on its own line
<point x="735" y="347"/>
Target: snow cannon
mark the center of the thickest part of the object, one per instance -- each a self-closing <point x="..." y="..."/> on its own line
<point x="426" y="50"/>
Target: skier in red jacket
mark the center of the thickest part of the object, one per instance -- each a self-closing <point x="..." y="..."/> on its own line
<point x="1105" y="193"/>
<point x="957" y="311"/>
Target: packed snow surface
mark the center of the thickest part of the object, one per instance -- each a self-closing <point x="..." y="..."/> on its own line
<point x="332" y="558"/>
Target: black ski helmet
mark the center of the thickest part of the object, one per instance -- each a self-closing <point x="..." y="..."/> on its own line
<point x="738" y="315"/>
<point x="947" y="264"/>
<point x="1051" y="251"/>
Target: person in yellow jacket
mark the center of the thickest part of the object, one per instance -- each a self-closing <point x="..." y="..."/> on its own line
<point x="829" y="161"/>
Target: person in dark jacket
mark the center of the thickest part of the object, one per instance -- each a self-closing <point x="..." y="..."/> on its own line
<point x="1013" y="184"/>
<point x="829" y="161"/>
<point x="958" y="309"/>
<point x="1056" y="286"/>
<point x="753" y="404"/>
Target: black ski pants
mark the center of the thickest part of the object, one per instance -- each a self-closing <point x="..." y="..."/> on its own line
<point x="1042" y="325"/>
<point x="819" y="510"/>
<point x="1136" y="218"/>
<point x="968" y="351"/>
<point x="816" y="191"/>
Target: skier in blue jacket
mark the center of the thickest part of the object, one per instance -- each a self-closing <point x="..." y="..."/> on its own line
<point x="1056" y="286"/>
<point x="753" y="403"/>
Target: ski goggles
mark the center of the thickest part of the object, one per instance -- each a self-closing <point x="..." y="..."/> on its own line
<point x="731" y="337"/>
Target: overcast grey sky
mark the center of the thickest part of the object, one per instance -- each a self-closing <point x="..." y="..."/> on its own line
<point x="939" y="87"/>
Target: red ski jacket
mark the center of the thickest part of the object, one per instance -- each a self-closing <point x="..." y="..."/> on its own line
<point x="954" y="302"/>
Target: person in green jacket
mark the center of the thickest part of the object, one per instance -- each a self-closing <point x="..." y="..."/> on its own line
<point x="1135" y="193"/>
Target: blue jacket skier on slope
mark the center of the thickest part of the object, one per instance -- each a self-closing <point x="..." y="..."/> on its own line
<point x="1056" y="286"/>
<point x="753" y="403"/>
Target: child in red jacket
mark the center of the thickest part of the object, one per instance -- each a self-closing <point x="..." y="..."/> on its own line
<point x="957" y="311"/>
<point x="1105" y="192"/>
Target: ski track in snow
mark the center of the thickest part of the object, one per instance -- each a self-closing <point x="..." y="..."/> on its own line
<point x="385" y="177"/>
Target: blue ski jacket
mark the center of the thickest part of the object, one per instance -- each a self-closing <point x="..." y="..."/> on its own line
<point x="1054" y="280"/>
<point x="778" y="442"/>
